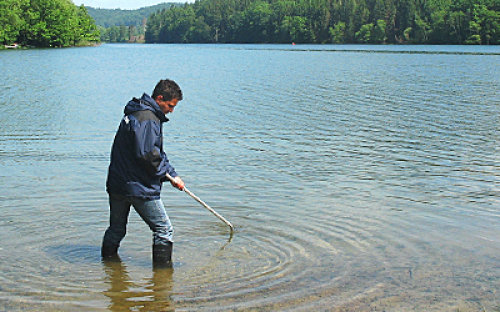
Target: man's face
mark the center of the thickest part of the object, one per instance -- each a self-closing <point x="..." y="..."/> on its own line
<point x="166" y="106"/>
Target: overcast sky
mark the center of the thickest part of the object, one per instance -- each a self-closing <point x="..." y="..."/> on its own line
<point x="122" y="4"/>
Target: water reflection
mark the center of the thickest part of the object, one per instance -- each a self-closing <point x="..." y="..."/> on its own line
<point x="127" y="295"/>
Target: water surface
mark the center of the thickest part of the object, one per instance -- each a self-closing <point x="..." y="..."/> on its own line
<point x="357" y="181"/>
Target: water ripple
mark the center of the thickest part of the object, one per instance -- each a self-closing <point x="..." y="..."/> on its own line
<point x="356" y="180"/>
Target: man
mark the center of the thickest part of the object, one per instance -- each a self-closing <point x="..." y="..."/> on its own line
<point x="137" y="169"/>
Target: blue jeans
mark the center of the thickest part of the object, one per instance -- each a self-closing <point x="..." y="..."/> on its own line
<point x="151" y="211"/>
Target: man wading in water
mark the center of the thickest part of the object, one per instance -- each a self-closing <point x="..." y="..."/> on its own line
<point x="137" y="169"/>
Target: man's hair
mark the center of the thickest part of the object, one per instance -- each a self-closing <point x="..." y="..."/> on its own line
<point x="168" y="89"/>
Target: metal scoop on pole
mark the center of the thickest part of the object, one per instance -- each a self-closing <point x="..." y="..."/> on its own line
<point x="204" y="205"/>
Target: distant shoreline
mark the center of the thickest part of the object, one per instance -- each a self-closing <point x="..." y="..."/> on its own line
<point x="303" y="47"/>
<point x="27" y="47"/>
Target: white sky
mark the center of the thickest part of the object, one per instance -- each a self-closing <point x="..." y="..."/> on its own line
<point x="123" y="4"/>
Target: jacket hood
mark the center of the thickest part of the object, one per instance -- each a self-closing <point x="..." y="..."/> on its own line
<point x="145" y="103"/>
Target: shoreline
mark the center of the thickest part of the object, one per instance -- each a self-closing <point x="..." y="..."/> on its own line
<point x="17" y="46"/>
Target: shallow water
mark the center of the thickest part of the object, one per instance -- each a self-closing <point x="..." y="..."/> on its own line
<point x="359" y="178"/>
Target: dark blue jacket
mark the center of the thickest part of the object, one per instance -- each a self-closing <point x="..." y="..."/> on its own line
<point x="138" y="164"/>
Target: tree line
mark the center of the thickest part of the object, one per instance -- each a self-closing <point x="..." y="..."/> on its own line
<point x="46" y="23"/>
<point x="328" y="21"/>
<point x="130" y="34"/>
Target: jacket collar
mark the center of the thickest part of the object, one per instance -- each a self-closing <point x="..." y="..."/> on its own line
<point x="149" y="101"/>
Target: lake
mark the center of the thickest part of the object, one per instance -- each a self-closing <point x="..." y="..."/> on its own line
<point x="358" y="178"/>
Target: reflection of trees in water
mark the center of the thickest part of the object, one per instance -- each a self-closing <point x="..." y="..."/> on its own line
<point x="126" y="295"/>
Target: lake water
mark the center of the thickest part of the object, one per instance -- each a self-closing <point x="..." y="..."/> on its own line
<point x="358" y="178"/>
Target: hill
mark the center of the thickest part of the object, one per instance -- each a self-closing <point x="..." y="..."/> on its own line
<point x="117" y="17"/>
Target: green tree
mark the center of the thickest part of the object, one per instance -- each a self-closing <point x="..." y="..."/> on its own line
<point x="457" y="24"/>
<point x="154" y="24"/>
<point x="87" y="30"/>
<point x="123" y="33"/>
<point x="484" y="26"/>
<point x="281" y="13"/>
<point x="439" y="30"/>
<point x="54" y="23"/>
<point x="178" y="23"/>
<point x="407" y="34"/>
<point x="338" y="32"/>
<point x="298" y="29"/>
<point x="378" y="11"/>
<point x="253" y="24"/>
<point x="378" y="32"/>
<point x="11" y="20"/>
<point x="421" y="31"/>
<point x="364" y="35"/>
<point x="51" y="23"/>
<point x="113" y="34"/>
<point x="405" y="19"/>
<point x="475" y="36"/>
<point x="199" y="31"/>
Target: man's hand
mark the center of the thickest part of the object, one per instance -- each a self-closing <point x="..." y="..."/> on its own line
<point x="178" y="183"/>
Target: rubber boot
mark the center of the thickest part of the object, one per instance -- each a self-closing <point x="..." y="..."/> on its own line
<point x="109" y="252"/>
<point x="162" y="256"/>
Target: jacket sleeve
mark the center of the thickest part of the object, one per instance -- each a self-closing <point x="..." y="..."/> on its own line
<point x="149" y="152"/>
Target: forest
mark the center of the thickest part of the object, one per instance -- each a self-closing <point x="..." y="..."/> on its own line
<point x="328" y="21"/>
<point x="46" y="23"/>
<point x="59" y="23"/>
